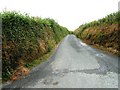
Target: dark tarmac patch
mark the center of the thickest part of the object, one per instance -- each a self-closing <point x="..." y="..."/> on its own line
<point x="55" y="83"/>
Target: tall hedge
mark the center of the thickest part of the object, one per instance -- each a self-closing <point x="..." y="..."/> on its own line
<point x="26" y="38"/>
<point x="113" y="18"/>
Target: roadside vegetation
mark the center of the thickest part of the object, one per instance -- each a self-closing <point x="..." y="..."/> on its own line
<point x="103" y="33"/>
<point x="26" y="41"/>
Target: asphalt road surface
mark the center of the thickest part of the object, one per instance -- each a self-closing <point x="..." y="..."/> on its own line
<point x="73" y="65"/>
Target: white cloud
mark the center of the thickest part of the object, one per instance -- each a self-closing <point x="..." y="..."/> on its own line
<point x="69" y="13"/>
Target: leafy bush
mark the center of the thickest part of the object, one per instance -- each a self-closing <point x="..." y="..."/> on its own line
<point x="103" y="33"/>
<point x="26" y="38"/>
<point x="113" y="18"/>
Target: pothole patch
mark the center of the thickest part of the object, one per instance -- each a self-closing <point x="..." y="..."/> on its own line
<point x="55" y="83"/>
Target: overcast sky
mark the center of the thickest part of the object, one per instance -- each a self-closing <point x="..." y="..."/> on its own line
<point x="68" y="13"/>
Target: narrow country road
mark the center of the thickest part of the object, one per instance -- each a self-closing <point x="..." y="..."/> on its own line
<point x="73" y="65"/>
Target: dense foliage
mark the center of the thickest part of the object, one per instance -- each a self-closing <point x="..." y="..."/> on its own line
<point x="26" y="38"/>
<point x="110" y="19"/>
<point x="103" y="32"/>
